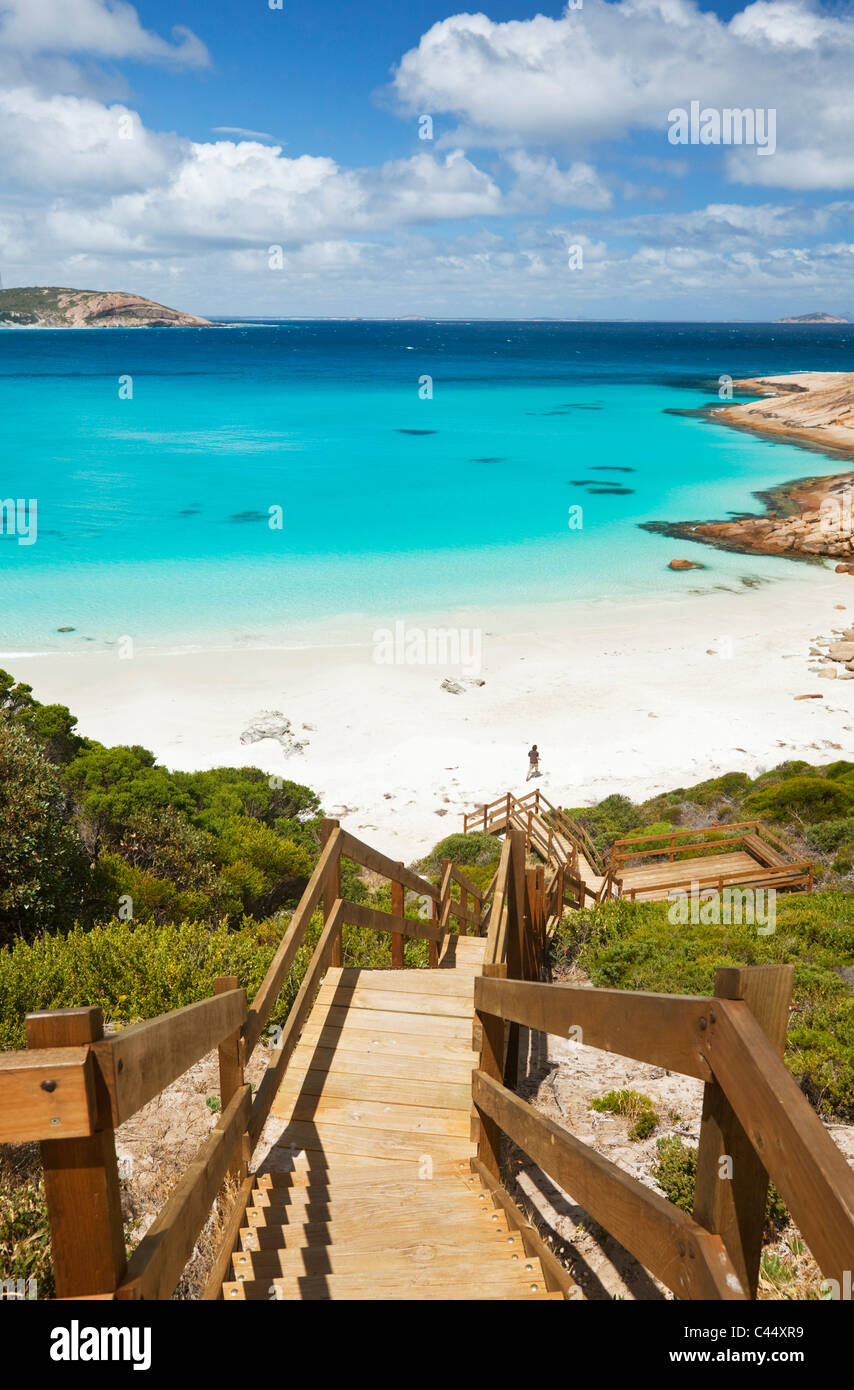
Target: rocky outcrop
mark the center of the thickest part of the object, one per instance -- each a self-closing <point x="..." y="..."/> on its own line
<point x="810" y="519"/>
<point x="47" y="307"/>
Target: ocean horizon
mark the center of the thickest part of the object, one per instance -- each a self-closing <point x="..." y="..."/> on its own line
<point x="217" y="488"/>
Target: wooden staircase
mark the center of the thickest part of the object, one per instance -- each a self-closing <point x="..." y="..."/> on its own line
<point x="367" y="1189"/>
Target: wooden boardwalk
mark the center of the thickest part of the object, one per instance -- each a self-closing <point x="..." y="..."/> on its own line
<point x="380" y="1135"/>
<point x="367" y="1191"/>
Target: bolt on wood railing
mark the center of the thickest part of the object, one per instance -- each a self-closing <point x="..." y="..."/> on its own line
<point x="754" y="1115"/>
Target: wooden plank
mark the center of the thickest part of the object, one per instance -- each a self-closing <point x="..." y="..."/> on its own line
<point x="811" y="1173"/>
<point x="376" y="1063"/>
<point x="395" y="1179"/>
<point x="317" y="1289"/>
<point x="311" y="1165"/>
<point x="356" y="1234"/>
<point x="47" y="1093"/>
<point x="280" y="966"/>
<point x="373" y="1114"/>
<point x="278" y="1208"/>
<point x="370" y="858"/>
<point x="662" y="1029"/>
<point x="356" y="1033"/>
<point x="373" y="1143"/>
<point x="81" y="1179"/>
<point x="229" y="1242"/>
<point x="141" y="1061"/>
<point x="385" y="1021"/>
<point x="420" y="1283"/>
<point x="679" y="1252"/>
<point x="355" y="1086"/>
<point x="330" y="1259"/>
<point x="416" y="981"/>
<point x="161" y="1256"/>
<point x="732" y="1203"/>
<point x="439" y="1005"/>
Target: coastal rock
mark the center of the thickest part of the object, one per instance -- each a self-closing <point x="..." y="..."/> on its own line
<point x="829" y="674"/>
<point x="841" y="651"/>
<point x="273" y="724"/>
<point x="54" y="307"/>
<point x="453" y="687"/>
<point x="685" y="565"/>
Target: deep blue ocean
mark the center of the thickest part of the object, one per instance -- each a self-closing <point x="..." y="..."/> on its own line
<point x="155" y="457"/>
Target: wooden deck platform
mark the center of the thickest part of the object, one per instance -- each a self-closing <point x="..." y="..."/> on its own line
<point x="651" y="868"/>
<point x="368" y="1190"/>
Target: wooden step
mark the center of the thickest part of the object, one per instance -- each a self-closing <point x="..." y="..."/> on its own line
<point x="330" y="1259"/>
<point x="395" y="1230"/>
<point x="493" y="1282"/>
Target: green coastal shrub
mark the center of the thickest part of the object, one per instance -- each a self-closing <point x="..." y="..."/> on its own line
<point x="43" y="868"/>
<point x="633" y="1105"/>
<point x="623" y="945"/>
<point x="24" y="1236"/>
<point x="808" y="799"/>
<point x="675" y="1171"/>
<point x="829" y="835"/>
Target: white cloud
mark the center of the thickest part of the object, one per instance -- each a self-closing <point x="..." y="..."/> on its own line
<point x="601" y="72"/>
<point x="541" y="183"/>
<point x="101" y="28"/>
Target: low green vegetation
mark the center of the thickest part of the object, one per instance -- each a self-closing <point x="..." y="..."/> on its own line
<point x="634" y="1106"/>
<point x="623" y="945"/>
<point x="675" y="1171"/>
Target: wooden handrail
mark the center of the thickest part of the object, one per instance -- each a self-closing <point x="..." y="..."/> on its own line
<point x="141" y="1061"/>
<point x="678" y="1251"/>
<point x="463" y="881"/>
<point x="161" y="1256"/>
<point x="720" y="1041"/>
<point x="661" y="1029"/>
<point x="280" y="966"/>
<point x="799" y="1155"/>
<point x="369" y="858"/>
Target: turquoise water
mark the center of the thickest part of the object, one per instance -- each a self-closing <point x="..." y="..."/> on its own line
<point x="153" y="512"/>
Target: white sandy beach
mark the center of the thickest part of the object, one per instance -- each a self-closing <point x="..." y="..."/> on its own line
<point x="619" y="698"/>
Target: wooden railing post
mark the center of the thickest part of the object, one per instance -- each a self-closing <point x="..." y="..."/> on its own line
<point x="515" y="942"/>
<point x="231" y="1078"/>
<point x="464" y="903"/>
<point x="732" y="1185"/>
<point x="332" y="891"/>
<point x="398" y="901"/>
<point x="433" y="946"/>
<point x="81" y="1178"/>
<point x="492" y="1064"/>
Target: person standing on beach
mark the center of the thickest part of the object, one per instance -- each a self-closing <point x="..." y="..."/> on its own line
<point x="533" y="762"/>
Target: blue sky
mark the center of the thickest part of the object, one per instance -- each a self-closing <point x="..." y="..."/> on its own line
<point x="237" y="159"/>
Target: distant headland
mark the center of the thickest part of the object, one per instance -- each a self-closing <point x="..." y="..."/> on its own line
<point x="813" y="318"/>
<point x="50" y="307"/>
